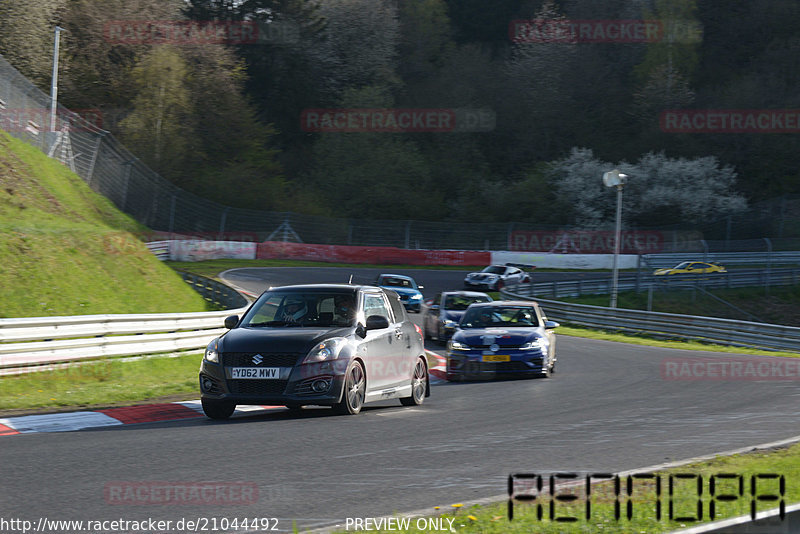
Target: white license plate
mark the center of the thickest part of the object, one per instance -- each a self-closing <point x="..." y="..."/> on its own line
<point x="259" y="373"/>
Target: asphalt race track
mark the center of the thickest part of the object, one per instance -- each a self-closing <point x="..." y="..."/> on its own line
<point x="607" y="408"/>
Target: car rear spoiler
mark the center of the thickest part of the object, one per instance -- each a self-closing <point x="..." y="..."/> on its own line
<point x="521" y="265"/>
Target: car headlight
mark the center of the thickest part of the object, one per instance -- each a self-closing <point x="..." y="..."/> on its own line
<point x="211" y="353"/>
<point x="492" y="278"/>
<point x="536" y="344"/>
<point x="457" y="345"/>
<point x="326" y="350"/>
<point x="416" y="297"/>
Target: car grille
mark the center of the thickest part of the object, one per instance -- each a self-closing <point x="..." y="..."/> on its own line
<point x="261" y="388"/>
<point x="270" y="359"/>
<point x="506" y="367"/>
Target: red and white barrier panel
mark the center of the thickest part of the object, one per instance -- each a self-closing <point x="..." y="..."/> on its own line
<point x="356" y="254"/>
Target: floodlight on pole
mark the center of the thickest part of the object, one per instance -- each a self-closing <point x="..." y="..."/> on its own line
<point x="616" y="179"/>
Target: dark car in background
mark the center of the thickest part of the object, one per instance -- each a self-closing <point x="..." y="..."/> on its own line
<point x="496" y="277"/>
<point x="406" y="287"/>
<point x="502" y="339"/>
<point x="445" y="310"/>
<point x="326" y="345"/>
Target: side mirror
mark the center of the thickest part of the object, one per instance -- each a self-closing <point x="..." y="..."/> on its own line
<point x="361" y="331"/>
<point x="377" y="322"/>
<point x="549" y="325"/>
<point x="231" y="321"/>
<point x="434" y="307"/>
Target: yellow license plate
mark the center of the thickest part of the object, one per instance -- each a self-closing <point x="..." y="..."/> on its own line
<point x="496" y="358"/>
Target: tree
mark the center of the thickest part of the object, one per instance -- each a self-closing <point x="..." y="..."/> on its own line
<point x="97" y="65"/>
<point x="426" y="38"/>
<point x="156" y="128"/>
<point x="659" y="190"/>
<point x="372" y="175"/>
<point x="537" y="97"/>
<point x="668" y="190"/>
<point x="27" y="34"/>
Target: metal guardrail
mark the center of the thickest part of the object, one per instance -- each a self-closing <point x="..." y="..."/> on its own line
<point x="691" y="327"/>
<point x="731" y="279"/>
<point x="33" y="341"/>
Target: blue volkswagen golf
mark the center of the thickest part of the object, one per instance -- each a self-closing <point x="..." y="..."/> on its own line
<point x="502" y="339"/>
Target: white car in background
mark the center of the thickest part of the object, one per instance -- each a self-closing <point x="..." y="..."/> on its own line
<point x="495" y="277"/>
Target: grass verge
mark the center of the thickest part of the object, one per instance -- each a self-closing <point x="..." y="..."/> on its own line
<point x="67" y="250"/>
<point x="102" y="383"/>
<point x="781" y="305"/>
<point x="686" y="505"/>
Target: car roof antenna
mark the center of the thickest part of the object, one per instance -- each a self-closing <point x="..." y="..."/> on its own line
<point x="351" y="279"/>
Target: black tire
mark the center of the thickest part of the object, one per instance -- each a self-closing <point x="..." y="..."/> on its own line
<point x="419" y="385"/>
<point x="218" y="409"/>
<point x="355" y="387"/>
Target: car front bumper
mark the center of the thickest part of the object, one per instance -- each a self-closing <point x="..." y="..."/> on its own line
<point x="472" y="365"/>
<point x="295" y="387"/>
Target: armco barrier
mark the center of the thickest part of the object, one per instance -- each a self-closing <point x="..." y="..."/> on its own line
<point x="31" y="341"/>
<point x="708" y="329"/>
<point x="217" y="293"/>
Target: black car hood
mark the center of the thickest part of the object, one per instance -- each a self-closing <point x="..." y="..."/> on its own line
<point x="271" y="339"/>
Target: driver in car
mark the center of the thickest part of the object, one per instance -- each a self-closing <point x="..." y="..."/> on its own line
<point x="294" y="309"/>
<point x="344" y="308"/>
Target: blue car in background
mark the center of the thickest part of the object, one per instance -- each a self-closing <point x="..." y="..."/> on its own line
<point x="405" y="287"/>
<point x="445" y="310"/>
<point x="502" y="339"/>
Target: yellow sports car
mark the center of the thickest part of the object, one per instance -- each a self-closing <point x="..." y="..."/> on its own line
<point x="691" y="267"/>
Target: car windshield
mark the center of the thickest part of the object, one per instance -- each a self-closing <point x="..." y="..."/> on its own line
<point x="287" y="309"/>
<point x="506" y="316"/>
<point x="494" y="269"/>
<point x="683" y="265"/>
<point x="462" y="302"/>
<point x="394" y="281"/>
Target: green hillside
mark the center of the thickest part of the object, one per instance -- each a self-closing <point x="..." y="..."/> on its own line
<point x="65" y="250"/>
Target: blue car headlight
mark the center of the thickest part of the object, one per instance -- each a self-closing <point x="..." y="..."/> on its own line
<point x="536" y="344"/>
<point x="416" y="297"/>
<point x="457" y="345"/>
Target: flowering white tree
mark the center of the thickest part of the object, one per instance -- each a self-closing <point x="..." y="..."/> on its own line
<point x="659" y="190"/>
